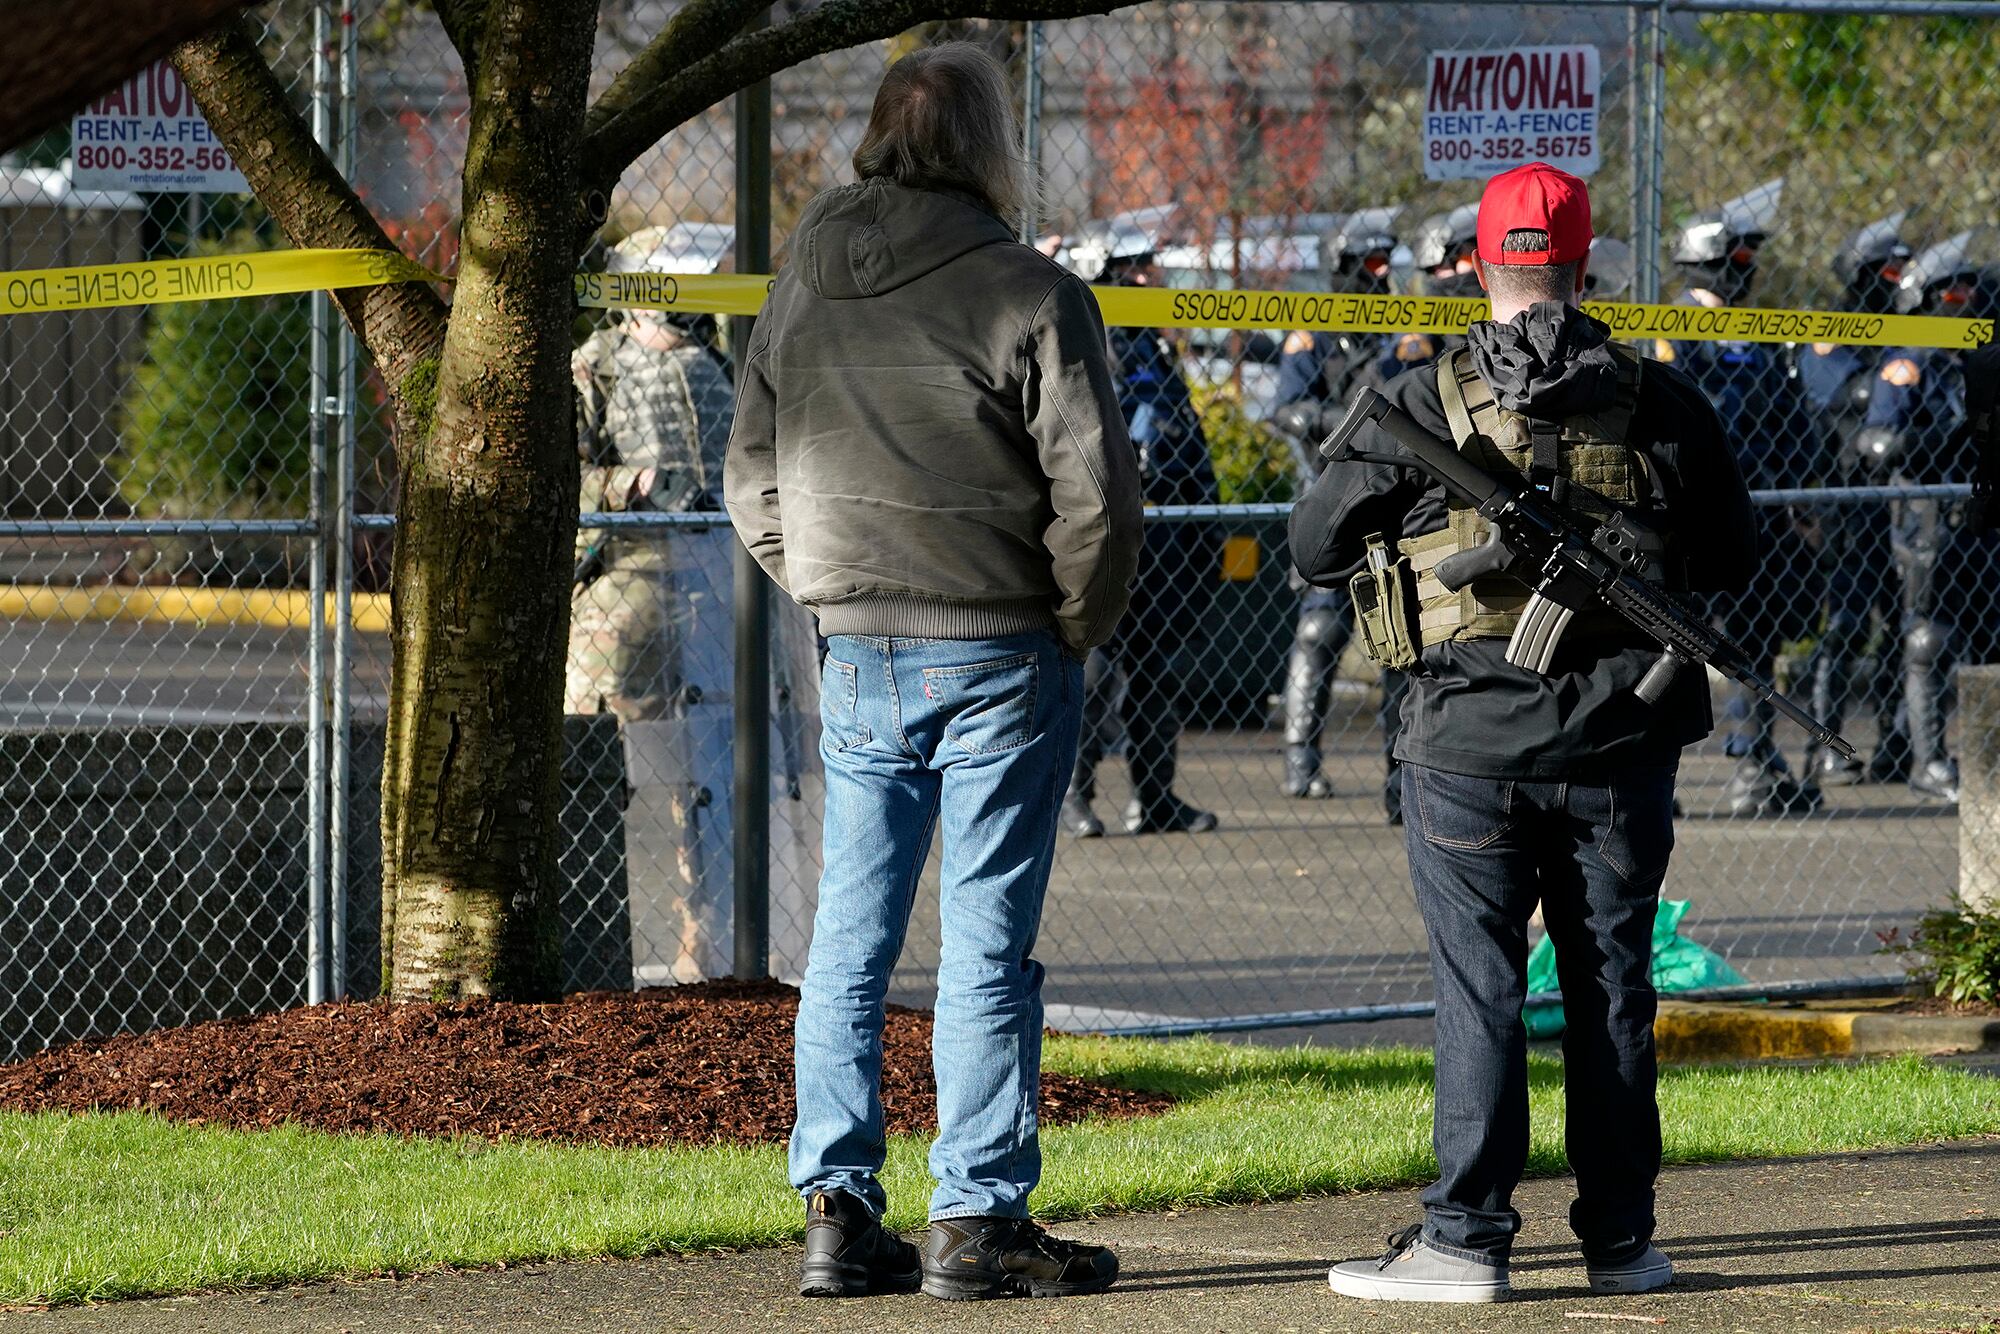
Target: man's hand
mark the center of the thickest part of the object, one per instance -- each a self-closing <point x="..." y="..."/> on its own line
<point x="643" y="484"/>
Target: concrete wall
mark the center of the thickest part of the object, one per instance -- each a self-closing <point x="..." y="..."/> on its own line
<point x="1979" y="787"/>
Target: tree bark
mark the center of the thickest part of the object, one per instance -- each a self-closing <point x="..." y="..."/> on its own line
<point x="486" y="525"/>
<point x="61" y="53"/>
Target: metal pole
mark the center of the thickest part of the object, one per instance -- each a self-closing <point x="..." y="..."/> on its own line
<point x="1637" y="81"/>
<point x="1656" y="156"/>
<point x="1031" y="129"/>
<point x="320" y="357"/>
<point x="752" y="832"/>
<point x="338" y="841"/>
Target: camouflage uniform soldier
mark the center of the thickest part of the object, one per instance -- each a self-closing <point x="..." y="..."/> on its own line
<point x="656" y="408"/>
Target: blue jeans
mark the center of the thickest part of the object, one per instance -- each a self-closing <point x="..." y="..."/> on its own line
<point x="976" y="737"/>
<point x="1483" y="852"/>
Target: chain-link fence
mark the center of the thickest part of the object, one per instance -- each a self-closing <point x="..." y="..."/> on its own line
<point x="192" y="736"/>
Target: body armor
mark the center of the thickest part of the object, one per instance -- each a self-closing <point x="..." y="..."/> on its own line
<point x="1583" y="462"/>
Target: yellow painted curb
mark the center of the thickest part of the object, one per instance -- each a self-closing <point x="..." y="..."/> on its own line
<point x="1686" y="1031"/>
<point x="252" y="608"/>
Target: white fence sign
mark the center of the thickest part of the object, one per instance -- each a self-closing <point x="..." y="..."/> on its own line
<point x="147" y="134"/>
<point x="1486" y="111"/>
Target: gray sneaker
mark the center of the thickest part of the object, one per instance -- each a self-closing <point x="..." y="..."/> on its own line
<point x="1644" y="1272"/>
<point x="1413" y="1272"/>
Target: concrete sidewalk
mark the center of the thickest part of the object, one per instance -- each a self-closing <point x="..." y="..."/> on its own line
<point x="1896" y="1240"/>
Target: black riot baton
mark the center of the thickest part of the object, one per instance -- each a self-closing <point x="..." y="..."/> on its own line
<point x="1567" y="568"/>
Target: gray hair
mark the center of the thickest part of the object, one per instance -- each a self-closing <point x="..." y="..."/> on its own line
<point x="1529" y="283"/>
<point x="944" y="119"/>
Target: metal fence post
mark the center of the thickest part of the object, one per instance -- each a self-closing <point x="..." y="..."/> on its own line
<point x="1031" y="129"/>
<point x="1638" y="82"/>
<point x="752" y="832"/>
<point x="1647" y="225"/>
<point x="338" y="779"/>
<point x="320" y="355"/>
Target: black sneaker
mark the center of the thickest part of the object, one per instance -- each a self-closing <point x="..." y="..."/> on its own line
<point x="969" y="1259"/>
<point x="850" y="1254"/>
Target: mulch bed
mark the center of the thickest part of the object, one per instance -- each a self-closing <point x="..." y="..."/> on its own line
<point x="1938" y="1005"/>
<point x="697" y="1064"/>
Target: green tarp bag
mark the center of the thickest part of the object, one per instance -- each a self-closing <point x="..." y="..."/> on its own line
<point x="1678" y="965"/>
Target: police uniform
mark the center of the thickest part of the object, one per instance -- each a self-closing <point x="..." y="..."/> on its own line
<point x="1856" y="564"/>
<point x="643" y="408"/>
<point x="1776" y="447"/>
<point x="1136" y="676"/>
<point x="1522" y="789"/>
<point x="1321" y="372"/>
<point x="1918" y="432"/>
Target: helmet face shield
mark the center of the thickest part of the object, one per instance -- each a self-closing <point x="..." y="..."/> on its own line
<point x="1945" y="279"/>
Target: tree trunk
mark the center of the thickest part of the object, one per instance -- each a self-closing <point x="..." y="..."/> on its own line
<point x="485" y="533"/>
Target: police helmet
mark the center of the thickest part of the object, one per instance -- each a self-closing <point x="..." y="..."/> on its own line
<point x="1947" y="279"/>
<point x="1612" y="267"/>
<point x="1876" y="247"/>
<point x="1872" y="263"/>
<point x="1731" y="233"/>
<point x="1361" y="245"/>
<point x="680" y="247"/>
<point x="1120" y="242"/>
<point x="1443" y="237"/>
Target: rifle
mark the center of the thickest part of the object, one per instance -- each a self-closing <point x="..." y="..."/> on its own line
<point x="1567" y="568"/>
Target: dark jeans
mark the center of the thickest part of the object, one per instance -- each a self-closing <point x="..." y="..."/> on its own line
<point x="1483" y="852"/>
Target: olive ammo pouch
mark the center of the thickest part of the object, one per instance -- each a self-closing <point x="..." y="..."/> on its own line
<point x="1385" y="601"/>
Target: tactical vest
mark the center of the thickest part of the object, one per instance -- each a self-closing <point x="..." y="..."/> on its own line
<point x="1583" y="462"/>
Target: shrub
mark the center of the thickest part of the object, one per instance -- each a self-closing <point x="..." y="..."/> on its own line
<point x="1253" y="465"/>
<point x="1955" y="954"/>
<point x="216" y="417"/>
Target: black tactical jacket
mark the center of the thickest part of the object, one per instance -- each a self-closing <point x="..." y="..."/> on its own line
<point x="1468" y="710"/>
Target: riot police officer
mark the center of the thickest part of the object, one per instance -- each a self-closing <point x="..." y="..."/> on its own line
<point x="1837" y="381"/>
<point x="1446" y="245"/>
<point x="1320" y="366"/>
<point x="1611" y="270"/>
<point x="1917" y="432"/>
<point x="1316" y="374"/>
<point x="1766" y="423"/>
<point x="1171" y="592"/>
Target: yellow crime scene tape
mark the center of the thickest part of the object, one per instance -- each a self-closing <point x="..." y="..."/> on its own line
<point x="209" y="278"/>
<point x="1182" y="308"/>
<point x="219" y="277"/>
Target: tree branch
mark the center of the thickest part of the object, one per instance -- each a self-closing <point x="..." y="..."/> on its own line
<point x="291" y="175"/>
<point x="61" y="53"/>
<point x="669" y="96"/>
<point x="464" y="21"/>
<point x="699" y="28"/>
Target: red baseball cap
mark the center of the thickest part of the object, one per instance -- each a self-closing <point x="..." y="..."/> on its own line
<point x="1539" y="198"/>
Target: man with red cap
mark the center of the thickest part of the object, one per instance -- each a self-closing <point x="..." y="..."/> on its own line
<point x="1521" y="788"/>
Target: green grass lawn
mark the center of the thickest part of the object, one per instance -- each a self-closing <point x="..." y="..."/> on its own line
<point x="124" y="1205"/>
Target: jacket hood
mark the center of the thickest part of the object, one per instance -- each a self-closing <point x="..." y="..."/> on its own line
<point x="1551" y="361"/>
<point x="875" y="236"/>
